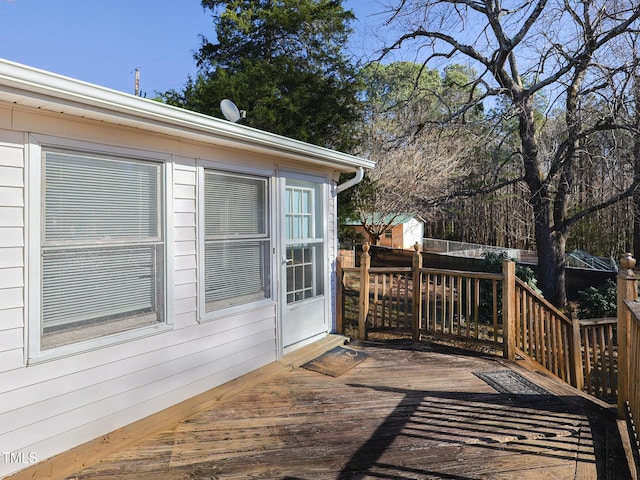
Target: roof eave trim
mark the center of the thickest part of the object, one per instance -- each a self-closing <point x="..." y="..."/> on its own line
<point x="128" y="109"/>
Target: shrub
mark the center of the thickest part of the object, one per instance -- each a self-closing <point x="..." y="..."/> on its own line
<point x="598" y="302"/>
<point x="492" y="263"/>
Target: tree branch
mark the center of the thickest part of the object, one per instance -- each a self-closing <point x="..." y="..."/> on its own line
<point x="562" y="226"/>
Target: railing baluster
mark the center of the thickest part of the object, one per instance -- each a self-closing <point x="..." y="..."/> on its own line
<point x="596" y="363"/>
<point x="427" y="301"/>
<point x="385" y="303"/>
<point x="587" y="358"/>
<point x="468" y="312"/>
<point x="603" y="360"/>
<point x="555" y="360"/>
<point x="612" y="366"/>
<point x="476" y="312"/>
<point x="443" y="302"/>
<point x="407" y="302"/>
<point x="452" y="303"/>
<point x="494" y="285"/>
<point x="398" y="297"/>
<point x="532" y="319"/>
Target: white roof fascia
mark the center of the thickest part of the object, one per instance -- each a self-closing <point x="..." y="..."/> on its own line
<point x="27" y="86"/>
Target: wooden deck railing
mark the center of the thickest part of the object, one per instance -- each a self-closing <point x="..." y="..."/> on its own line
<point x="445" y="302"/>
<point x="546" y="335"/>
<point x="461" y="304"/>
<point x="495" y="308"/>
<point x="599" y="357"/>
<point x="629" y="350"/>
<point x="390" y="302"/>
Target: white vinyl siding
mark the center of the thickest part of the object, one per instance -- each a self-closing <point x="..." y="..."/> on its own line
<point x="102" y="247"/>
<point x="236" y="240"/>
<point x="11" y="251"/>
<point x="185" y="275"/>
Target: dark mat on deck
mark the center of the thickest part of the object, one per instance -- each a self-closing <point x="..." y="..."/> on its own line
<point x="510" y="382"/>
<point x="336" y="361"/>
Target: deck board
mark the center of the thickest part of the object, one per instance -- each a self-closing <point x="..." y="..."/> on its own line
<point x="399" y="414"/>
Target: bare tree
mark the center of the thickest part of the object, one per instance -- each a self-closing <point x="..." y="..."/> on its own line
<point x="410" y="178"/>
<point x="417" y="156"/>
<point x="521" y="49"/>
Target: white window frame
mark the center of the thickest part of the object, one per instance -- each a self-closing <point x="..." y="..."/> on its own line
<point x="37" y="145"/>
<point x="323" y="182"/>
<point x="312" y="240"/>
<point x="203" y="166"/>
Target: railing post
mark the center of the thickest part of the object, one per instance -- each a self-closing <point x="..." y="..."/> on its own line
<point x="416" y="306"/>
<point x="575" y="354"/>
<point x="627" y="289"/>
<point x="339" y="296"/>
<point x="509" y="310"/>
<point x="365" y="263"/>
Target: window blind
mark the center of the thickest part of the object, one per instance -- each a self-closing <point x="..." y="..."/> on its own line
<point x="80" y="286"/>
<point x="234" y="205"/>
<point x="236" y="240"/>
<point x="235" y="270"/>
<point x="94" y="198"/>
<point x="102" y="254"/>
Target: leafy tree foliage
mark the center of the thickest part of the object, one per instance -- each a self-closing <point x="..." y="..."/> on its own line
<point x="598" y="302"/>
<point x="492" y="263"/>
<point x="283" y="63"/>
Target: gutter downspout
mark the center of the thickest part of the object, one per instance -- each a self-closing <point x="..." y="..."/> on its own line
<point x="350" y="183"/>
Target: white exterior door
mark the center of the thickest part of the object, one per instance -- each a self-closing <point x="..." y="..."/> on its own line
<point x="303" y="285"/>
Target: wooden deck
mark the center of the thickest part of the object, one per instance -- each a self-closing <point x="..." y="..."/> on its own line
<point x="404" y="412"/>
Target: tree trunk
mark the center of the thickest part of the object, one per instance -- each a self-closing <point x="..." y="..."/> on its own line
<point x="636" y="215"/>
<point x="550" y="244"/>
<point x="636" y="165"/>
<point x="551" y="271"/>
<point x="374" y="238"/>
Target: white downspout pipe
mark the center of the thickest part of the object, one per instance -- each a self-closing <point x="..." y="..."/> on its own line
<point x="350" y="183"/>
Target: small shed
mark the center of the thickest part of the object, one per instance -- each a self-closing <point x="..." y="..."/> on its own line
<point x="147" y="255"/>
<point x="404" y="230"/>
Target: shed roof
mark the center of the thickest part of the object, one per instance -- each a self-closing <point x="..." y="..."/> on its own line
<point x="379" y="218"/>
<point x="30" y="87"/>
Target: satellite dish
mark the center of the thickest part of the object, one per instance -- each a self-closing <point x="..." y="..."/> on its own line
<point x="230" y="111"/>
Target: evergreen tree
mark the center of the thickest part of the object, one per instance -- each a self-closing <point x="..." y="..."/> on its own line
<point x="283" y="63"/>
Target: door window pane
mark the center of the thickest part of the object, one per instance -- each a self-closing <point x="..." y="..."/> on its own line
<point x="304" y="230"/>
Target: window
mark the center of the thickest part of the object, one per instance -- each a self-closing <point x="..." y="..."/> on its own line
<point x="236" y="243"/>
<point x="304" y="240"/>
<point x="388" y="233"/>
<point x="102" y="247"/>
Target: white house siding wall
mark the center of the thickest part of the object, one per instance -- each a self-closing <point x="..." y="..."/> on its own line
<point x="51" y="406"/>
<point x="185" y="244"/>
<point x="11" y="250"/>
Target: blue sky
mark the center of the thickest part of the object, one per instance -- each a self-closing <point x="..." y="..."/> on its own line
<point x="104" y="41"/>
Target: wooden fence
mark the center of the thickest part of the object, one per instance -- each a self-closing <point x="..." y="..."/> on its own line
<point x="464" y="305"/>
<point x="599" y="357"/>
<point x="546" y="335"/>
<point x="492" y="308"/>
<point x="629" y="350"/>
